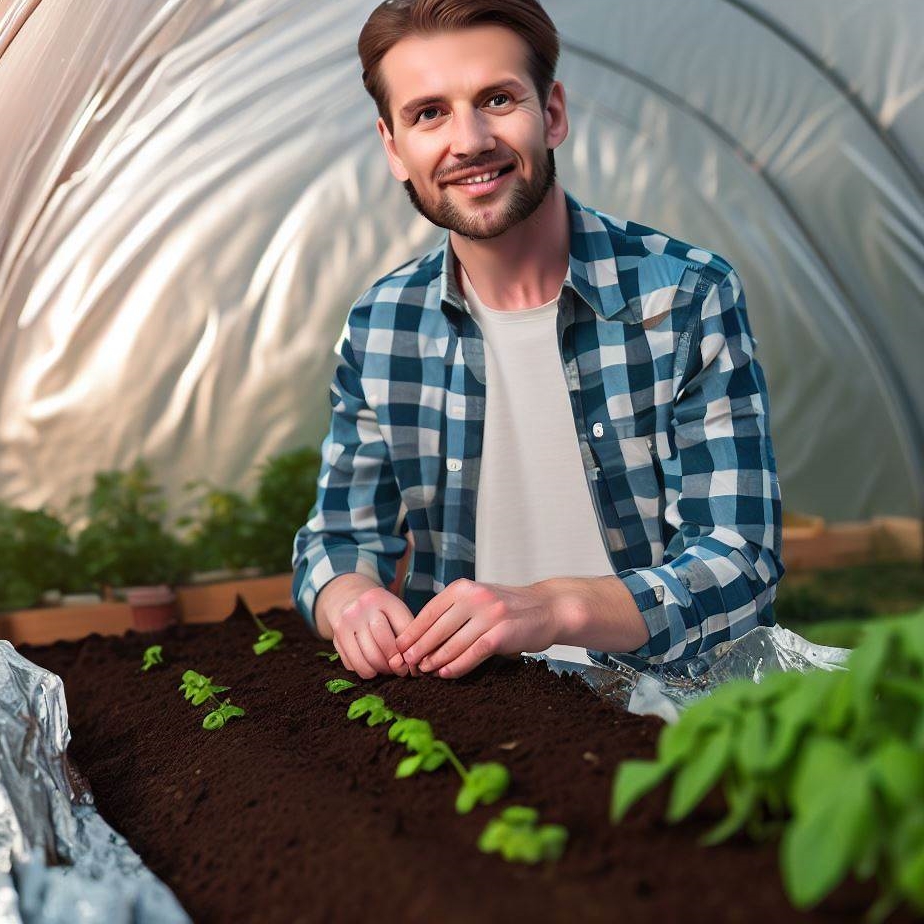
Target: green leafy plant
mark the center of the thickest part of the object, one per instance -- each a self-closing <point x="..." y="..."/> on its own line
<point x="226" y="530"/>
<point x="152" y="655"/>
<point x="125" y="542"/>
<point x="831" y="761"/>
<point x="36" y="554"/>
<point x="268" y="638"/>
<point x="285" y="494"/>
<point x="330" y="655"/>
<point x="515" y="835"/>
<point x="338" y="686"/>
<point x="200" y="689"/>
<point x="481" y="784"/>
<point x="372" y="707"/>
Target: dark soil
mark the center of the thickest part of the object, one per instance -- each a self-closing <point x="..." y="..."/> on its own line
<point x="292" y="814"/>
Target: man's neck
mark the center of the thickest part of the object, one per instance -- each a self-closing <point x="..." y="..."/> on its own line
<point x="524" y="267"/>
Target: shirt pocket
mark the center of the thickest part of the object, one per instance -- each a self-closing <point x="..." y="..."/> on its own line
<point x="632" y="476"/>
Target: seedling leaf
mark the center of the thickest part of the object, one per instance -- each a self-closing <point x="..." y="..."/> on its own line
<point x="634" y="779"/>
<point x="339" y="685"/>
<point x="696" y="778"/>
<point x="484" y="783"/>
<point x="267" y="641"/>
<point x="330" y="655"/>
<point x="152" y="655"/>
<point x="409" y="766"/>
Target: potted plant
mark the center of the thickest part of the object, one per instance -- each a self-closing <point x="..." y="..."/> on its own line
<point x="38" y="557"/>
<point x="224" y="534"/>
<point x="285" y="494"/>
<point x="126" y="547"/>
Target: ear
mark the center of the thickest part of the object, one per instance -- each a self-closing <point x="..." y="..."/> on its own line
<point x="556" y="116"/>
<point x="395" y="164"/>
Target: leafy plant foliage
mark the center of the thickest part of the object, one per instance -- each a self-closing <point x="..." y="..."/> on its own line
<point x="125" y="542"/>
<point x="515" y="835"/>
<point x="200" y="689"/>
<point x="267" y="639"/>
<point x="481" y="784"/>
<point x="37" y="555"/>
<point x="152" y="655"/>
<point x="834" y="761"/>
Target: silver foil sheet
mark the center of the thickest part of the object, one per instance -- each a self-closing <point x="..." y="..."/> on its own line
<point x="60" y="863"/>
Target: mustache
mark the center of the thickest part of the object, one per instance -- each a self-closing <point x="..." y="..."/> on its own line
<point x="474" y="164"/>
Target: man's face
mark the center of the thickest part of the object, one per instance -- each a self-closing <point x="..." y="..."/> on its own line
<point x="471" y="140"/>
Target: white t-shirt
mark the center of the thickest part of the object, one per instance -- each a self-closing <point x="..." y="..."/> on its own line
<point x="534" y="518"/>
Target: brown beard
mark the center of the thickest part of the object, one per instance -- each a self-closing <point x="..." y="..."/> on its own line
<point x="524" y="201"/>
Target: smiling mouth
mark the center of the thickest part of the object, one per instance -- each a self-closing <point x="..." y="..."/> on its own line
<point x="485" y="177"/>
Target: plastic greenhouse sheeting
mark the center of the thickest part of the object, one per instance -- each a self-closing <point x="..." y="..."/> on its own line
<point x="192" y="194"/>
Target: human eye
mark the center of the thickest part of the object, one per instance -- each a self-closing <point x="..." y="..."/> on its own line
<point x="499" y="100"/>
<point x="427" y="115"/>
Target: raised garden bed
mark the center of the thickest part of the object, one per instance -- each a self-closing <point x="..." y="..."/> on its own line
<point x="292" y="813"/>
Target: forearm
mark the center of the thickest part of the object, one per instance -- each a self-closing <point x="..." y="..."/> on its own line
<point x="596" y="612"/>
<point x="337" y="594"/>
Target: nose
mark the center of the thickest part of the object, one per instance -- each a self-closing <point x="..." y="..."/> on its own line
<point x="471" y="134"/>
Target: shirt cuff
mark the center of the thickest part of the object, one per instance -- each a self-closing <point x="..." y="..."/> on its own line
<point x="660" y="596"/>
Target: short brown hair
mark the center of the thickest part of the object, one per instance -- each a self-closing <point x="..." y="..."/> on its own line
<point x="394" y="20"/>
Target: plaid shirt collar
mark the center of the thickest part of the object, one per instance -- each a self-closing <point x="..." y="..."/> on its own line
<point x="592" y="268"/>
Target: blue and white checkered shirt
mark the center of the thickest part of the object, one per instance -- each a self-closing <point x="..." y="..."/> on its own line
<point x="671" y="414"/>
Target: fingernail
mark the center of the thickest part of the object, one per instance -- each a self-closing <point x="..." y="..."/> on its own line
<point x="443" y="672"/>
<point x="426" y="664"/>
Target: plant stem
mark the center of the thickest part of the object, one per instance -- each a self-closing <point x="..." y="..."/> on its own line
<point x="259" y="622"/>
<point x="455" y="761"/>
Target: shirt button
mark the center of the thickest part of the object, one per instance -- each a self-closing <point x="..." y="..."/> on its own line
<point x="598" y="430"/>
<point x="454" y="465"/>
<point x="650" y="442"/>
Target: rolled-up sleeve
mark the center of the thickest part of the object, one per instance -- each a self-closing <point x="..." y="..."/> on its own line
<point x="722" y="566"/>
<point x="354" y="525"/>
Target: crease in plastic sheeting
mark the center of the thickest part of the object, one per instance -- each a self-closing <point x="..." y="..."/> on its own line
<point x="665" y="690"/>
<point x="60" y="863"/>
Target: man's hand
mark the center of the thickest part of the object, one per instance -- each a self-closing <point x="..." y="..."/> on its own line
<point x="363" y="625"/>
<point x="470" y="621"/>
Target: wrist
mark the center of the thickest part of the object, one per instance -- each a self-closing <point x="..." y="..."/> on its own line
<point x="570" y="604"/>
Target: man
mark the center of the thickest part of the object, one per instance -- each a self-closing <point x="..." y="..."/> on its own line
<point x="573" y="397"/>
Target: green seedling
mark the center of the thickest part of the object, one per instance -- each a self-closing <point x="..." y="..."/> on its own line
<point x="200" y="689"/>
<point x="330" y="655"/>
<point x="217" y="718"/>
<point x="373" y="707"/>
<point x="833" y="760"/>
<point x="268" y="639"/>
<point x="482" y="784"/>
<point x="153" y="655"/>
<point x="515" y="835"/>
<point x="427" y="752"/>
<point x="339" y="685"/>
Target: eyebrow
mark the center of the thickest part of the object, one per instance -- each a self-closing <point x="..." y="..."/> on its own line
<point x="422" y="102"/>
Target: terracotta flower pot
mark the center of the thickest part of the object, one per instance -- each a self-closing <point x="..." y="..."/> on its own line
<point x="153" y="608"/>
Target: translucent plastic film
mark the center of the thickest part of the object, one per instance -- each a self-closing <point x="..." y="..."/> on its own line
<point x="664" y="690"/>
<point x="60" y="863"/>
<point x="193" y="193"/>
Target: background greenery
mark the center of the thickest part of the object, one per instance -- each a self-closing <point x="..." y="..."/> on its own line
<point x="124" y="538"/>
<point x="832" y="607"/>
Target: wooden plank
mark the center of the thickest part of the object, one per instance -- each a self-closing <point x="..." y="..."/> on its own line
<point x="213" y="602"/>
<point x="204" y="603"/>
<point x="64" y="623"/>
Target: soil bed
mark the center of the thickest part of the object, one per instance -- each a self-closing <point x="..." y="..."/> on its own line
<point x="292" y="814"/>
